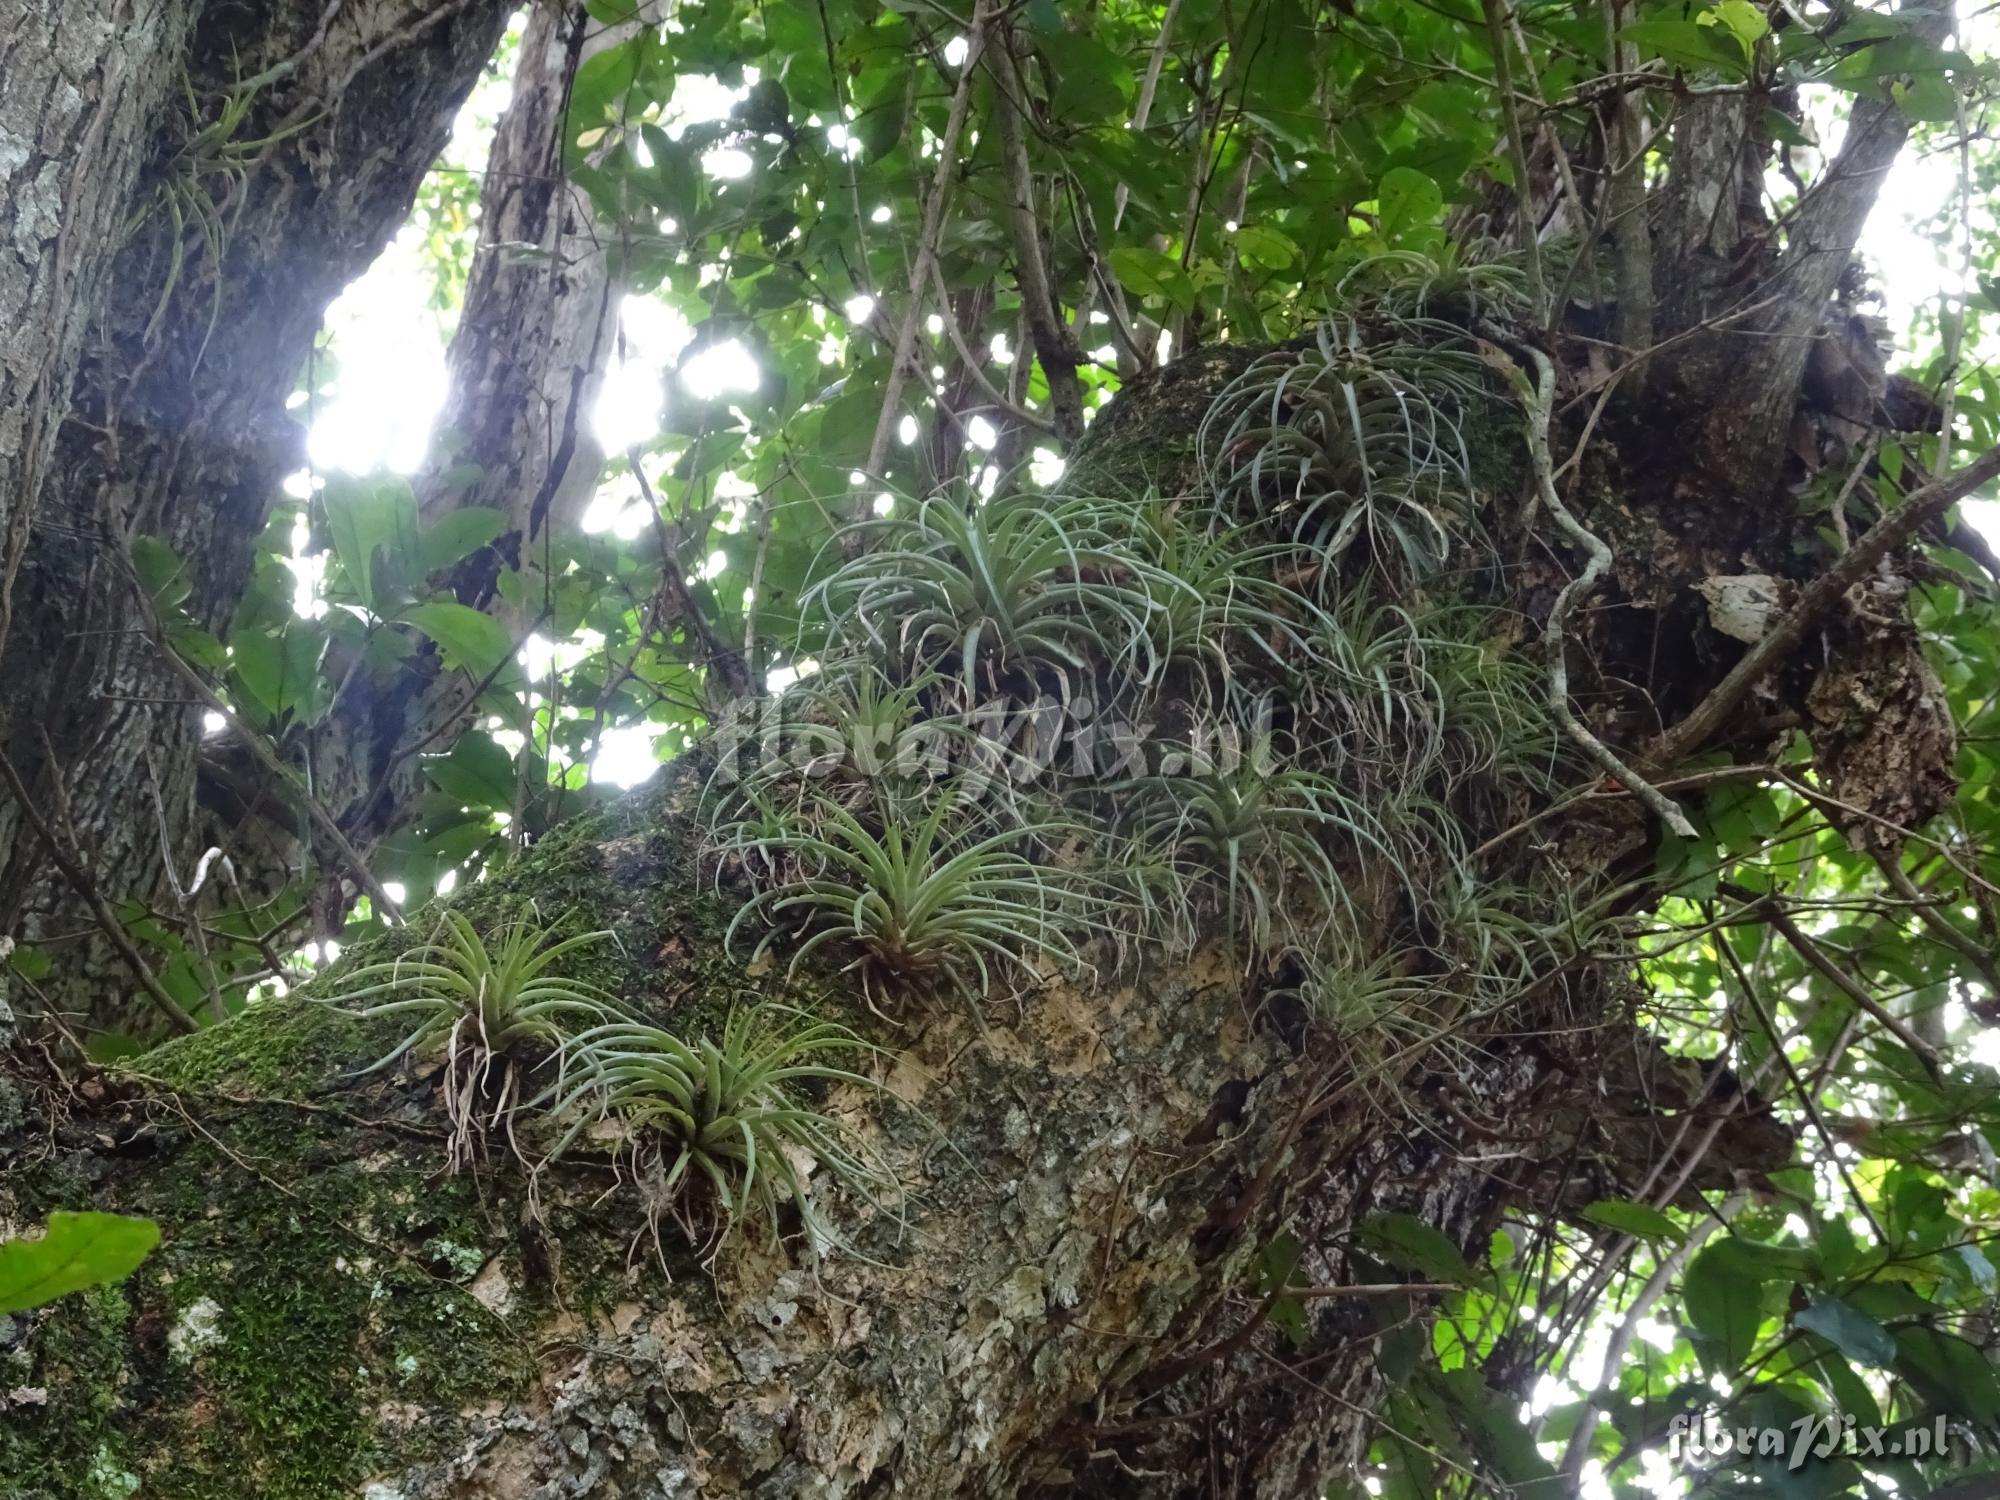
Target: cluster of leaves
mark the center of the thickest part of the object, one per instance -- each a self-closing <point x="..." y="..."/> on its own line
<point x="722" y="1112"/>
<point x="1036" y="721"/>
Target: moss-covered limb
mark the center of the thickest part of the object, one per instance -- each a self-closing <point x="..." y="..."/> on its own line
<point x="1108" y="1158"/>
<point x="327" y="1312"/>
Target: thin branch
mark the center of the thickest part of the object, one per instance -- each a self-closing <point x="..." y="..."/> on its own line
<point x="973" y="366"/>
<point x="927" y="239"/>
<point x="1806" y="1095"/>
<point x="1054" y="346"/>
<point x="1517" y="151"/>
<point x="726" y="667"/>
<point x="262" y="753"/>
<point x="1817" y="957"/>
<point x="1631" y="235"/>
<point x="1142" y="108"/>
<point x="1785" y="637"/>
<point x="1926" y="907"/>
<point x="1555" y="637"/>
<point x="1583" y="1437"/>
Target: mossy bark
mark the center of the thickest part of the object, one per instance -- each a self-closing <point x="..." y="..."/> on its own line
<point x="330" y="1316"/>
<point x="1094" y="1173"/>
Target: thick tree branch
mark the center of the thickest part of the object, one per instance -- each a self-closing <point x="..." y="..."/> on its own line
<point x="1785" y="637"/>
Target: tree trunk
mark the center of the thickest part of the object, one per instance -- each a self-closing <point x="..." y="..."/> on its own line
<point x="1114" y="1179"/>
<point x="1074" y="1310"/>
<point x="174" y="277"/>
<point x="1080" y="1303"/>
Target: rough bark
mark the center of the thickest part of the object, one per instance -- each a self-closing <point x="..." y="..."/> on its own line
<point x="1069" y="1312"/>
<point x="79" y="86"/>
<point x="171" y="421"/>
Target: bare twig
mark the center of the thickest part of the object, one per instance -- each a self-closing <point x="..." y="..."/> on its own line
<point x="1926" y="907"/>
<point x="1954" y="328"/>
<point x="974" y="366"/>
<point x="1142" y="107"/>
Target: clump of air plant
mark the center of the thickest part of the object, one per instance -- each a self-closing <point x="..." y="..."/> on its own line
<point x="495" y="1010"/>
<point x="723" y="1124"/>
<point x="927" y="902"/>
<point x="1031" y="585"/>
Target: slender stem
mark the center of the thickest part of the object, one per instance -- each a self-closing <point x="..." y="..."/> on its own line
<point x="1054" y="346"/>
<point x="1526" y="225"/>
<point x="1631" y="235"/>
<point x="1828" y="970"/>
<point x="1555" y="637"/>
<point x="928" y="235"/>
<point x="1583" y="1437"/>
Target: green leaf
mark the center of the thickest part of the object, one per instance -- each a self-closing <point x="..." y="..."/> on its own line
<point x="161" y="572"/>
<point x="471" y="640"/>
<point x="477" y="772"/>
<point x="364" y="516"/>
<point x="1927" y="96"/>
<point x="1853" y="1333"/>
<point x="1635" y="1219"/>
<point x="196" y="647"/>
<point x="1724" y="1303"/>
<point x="1271" y="248"/>
<point x="1411" y="205"/>
<point x="1690" y="45"/>
<point x="1494" y="1424"/>
<point x="1277" y="1266"/>
<point x="29" y="962"/>
<point x="278" y="673"/>
<point x="1948" y="1372"/>
<point x="1092" y="81"/>
<point x="459" y="535"/>
<point x="1410" y="1243"/>
<point x="75" y="1251"/>
<point x="1744" y="20"/>
<point x="1152" y="273"/>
